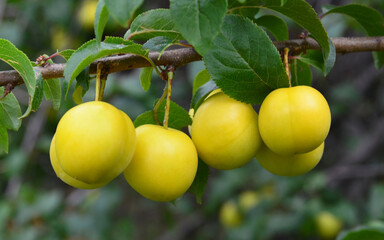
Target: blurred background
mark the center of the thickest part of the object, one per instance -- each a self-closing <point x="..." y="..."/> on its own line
<point x="345" y="190"/>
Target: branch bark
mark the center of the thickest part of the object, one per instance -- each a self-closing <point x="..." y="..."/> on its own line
<point x="180" y="57"/>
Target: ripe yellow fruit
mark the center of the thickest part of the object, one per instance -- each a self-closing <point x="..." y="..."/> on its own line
<point x="291" y="165"/>
<point x="94" y="143"/>
<point x="86" y="14"/>
<point x="225" y="132"/>
<point x="191" y="111"/>
<point x="164" y="164"/>
<point x="328" y="225"/>
<point x="294" y="120"/>
<point x="64" y="176"/>
<point x="230" y="215"/>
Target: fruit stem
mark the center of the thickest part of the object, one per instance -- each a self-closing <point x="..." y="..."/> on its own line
<point x="286" y="65"/>
<point x="168" y="103"/>
<point x="156" y="108"/>
<point x="101" y="79"/>
<point x="98" y="74"/>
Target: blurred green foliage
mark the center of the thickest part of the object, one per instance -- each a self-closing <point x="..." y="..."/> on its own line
<point x="35" y="204"/>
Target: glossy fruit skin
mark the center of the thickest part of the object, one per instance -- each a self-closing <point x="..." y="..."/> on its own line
<point x="164" y="164"/>
<point x="94" y="142"/>
<point x="230" y="215"/>
<point x="294" y="120"/>
<point x="292" y="165"/>
<point x="328" y="225"/>
<point x="64" y="176"/>
<point x="225" y="132"/>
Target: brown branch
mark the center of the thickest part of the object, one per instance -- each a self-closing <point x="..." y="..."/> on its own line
<point x="183" y="56"/>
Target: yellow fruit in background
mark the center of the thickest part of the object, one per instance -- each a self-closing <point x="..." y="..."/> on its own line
<point x="230" y="215"/>
<point x="64" y="176"/>
<point x="294" y="120"/>
<point x="94" y="143"/>
<point x="164" y="164"/>
<point x="225" y="132"/>
<point x="86" y="14"/>
<point x="328" y="225"/>
<point x="292" y="165"/>
<point x="248" y="200"/>
<point x="60" y="38"/>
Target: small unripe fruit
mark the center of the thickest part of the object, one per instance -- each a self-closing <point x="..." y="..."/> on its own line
<point x="294" y="120"/>
<point x="225" y="132"/>
<point x="292" y="165"/>
<point x="164" y="164"/>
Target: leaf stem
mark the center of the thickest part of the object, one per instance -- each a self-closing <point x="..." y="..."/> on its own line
<point x="156" y="108"/>
<point x="153" y="64"/>
<point x="286" y="65"/>
<point x="168" y="103"/>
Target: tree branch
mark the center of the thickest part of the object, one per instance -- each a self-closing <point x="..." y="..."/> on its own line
<point x="180" y="57"/>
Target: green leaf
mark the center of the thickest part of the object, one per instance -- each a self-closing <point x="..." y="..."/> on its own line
<point x="369" y="18"/>
<point x="201" y="93"/>
<point x="52" y="92"/>
<point x="158" y="44"/>
<point x="91" y="51"/>
<point x="82" y="86"/>
<point x="3" y="140"/>
<point x="78" y="94"/>
<point x="10" y="111"/>
<point x="375" y="204"/>
<point x="178" y="117"/>
<point x="101" y="19"/>
<point x="153" y="23"/>
<point x="275" y="25"/>
<point x="362" y="233"/>
<point x="123" y="10"/>
<point x="313" y="58"/>
<point x="244" y="8"/>
<point x="243" y="61"/>
<point x="145" y="77"/>
<point x="66" y="54"/>
<point x="20" y="62"/>
<point x="201" y="78"/>
<point x="304" y="15"/>
<point x="38" y="91"/>
<point x="301" y="73"/>
<point x="316" y="59"/>
<point x="198" y="186"/>
<point x="198" y="21"/>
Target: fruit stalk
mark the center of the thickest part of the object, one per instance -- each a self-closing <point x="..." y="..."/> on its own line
<point x="156" y="108"/>
<point x="286" y="65"/>
<point x="97" y="91"/>
<point x="168" y="103"/>
<point x="101" y="78"/>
